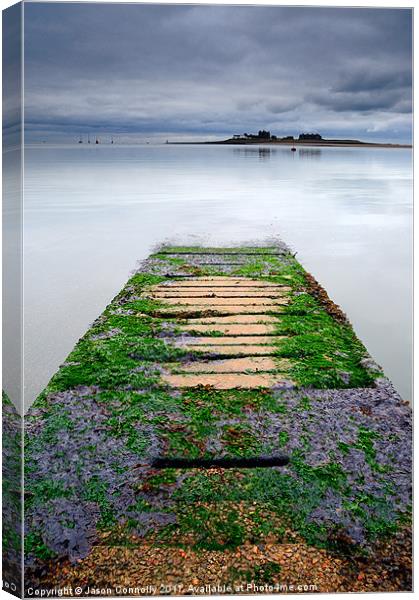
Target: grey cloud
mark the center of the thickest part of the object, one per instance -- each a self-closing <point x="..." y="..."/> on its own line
<point x="371" y="80"/>
<point x="214" y="69"/>
<point x="283" y="106"/>
<point x="360" y="101"/>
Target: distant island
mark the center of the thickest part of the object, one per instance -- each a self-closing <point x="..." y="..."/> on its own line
<point x="304" y="139"/>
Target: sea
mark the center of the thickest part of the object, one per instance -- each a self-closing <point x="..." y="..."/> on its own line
<point x="91" y="212"/>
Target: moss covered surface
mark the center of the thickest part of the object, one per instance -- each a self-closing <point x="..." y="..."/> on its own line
<point x="92" y="434"/>
<point x="11" y="494"/>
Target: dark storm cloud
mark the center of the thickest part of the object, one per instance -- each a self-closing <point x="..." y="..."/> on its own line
<point x="217" y="70"/>
<point x="365" y="79"/>
<point x="362" y="101"/>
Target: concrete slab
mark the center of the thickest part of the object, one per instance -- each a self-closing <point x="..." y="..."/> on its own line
<point x="220" y="289"/>
<point x="219" y="293"/>
<point x="229" y="340"/>
<point x="221" y="282"/>
<point x="226" y="301"/>
<point x="226" y="381"/>
<point x="257" y="318"/>
<point x="238" y="329"/>
<point x="249" y="350"/>
<point x="217" y="310"/>
<point x="236" y="365"/>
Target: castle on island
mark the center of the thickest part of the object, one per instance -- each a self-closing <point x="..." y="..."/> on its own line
<point x="263" y="135"/>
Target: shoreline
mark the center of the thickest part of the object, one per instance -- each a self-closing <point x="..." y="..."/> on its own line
<point x="325" y="143"/>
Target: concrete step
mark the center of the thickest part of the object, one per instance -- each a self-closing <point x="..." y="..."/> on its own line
<point x="227" y="381"/>
<point x="220" y="282"/>
<point x="231" y="340"/>
<point x="226" y="301"/>
<point x="238" y="329"/>
<point x="218" y="293"/>
<point x="220" y="289"/>
<point x="224" y="350"/>
<point x="250" y="319"/>
<point x="215" y="309"/>
<point x="235" y="365"/>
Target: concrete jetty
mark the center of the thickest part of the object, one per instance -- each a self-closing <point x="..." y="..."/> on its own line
<point x="219" y="426"/>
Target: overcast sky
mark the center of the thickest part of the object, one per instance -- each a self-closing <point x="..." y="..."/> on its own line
<point x="141" y="71"/>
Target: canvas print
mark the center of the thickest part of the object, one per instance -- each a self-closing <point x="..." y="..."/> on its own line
<point x="207" y="229"/>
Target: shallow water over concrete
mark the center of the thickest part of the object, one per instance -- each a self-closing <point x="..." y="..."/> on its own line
<point x="92" y="211"/>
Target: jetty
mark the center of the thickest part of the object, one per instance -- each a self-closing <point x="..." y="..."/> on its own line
<point x="219" y="429"/>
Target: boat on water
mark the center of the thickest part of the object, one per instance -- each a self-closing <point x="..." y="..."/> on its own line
<point x="293" y="149"/>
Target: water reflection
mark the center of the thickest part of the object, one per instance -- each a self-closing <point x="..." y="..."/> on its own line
<point x="309" y="152"/>
<point x="260" y="151"/>
<point x="266" y="152"/>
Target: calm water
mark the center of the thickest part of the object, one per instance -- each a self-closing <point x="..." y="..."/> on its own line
<point x="92" y="212"/>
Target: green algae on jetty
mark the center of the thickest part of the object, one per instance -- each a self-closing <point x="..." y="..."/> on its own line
<point x="219" y="352"/>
